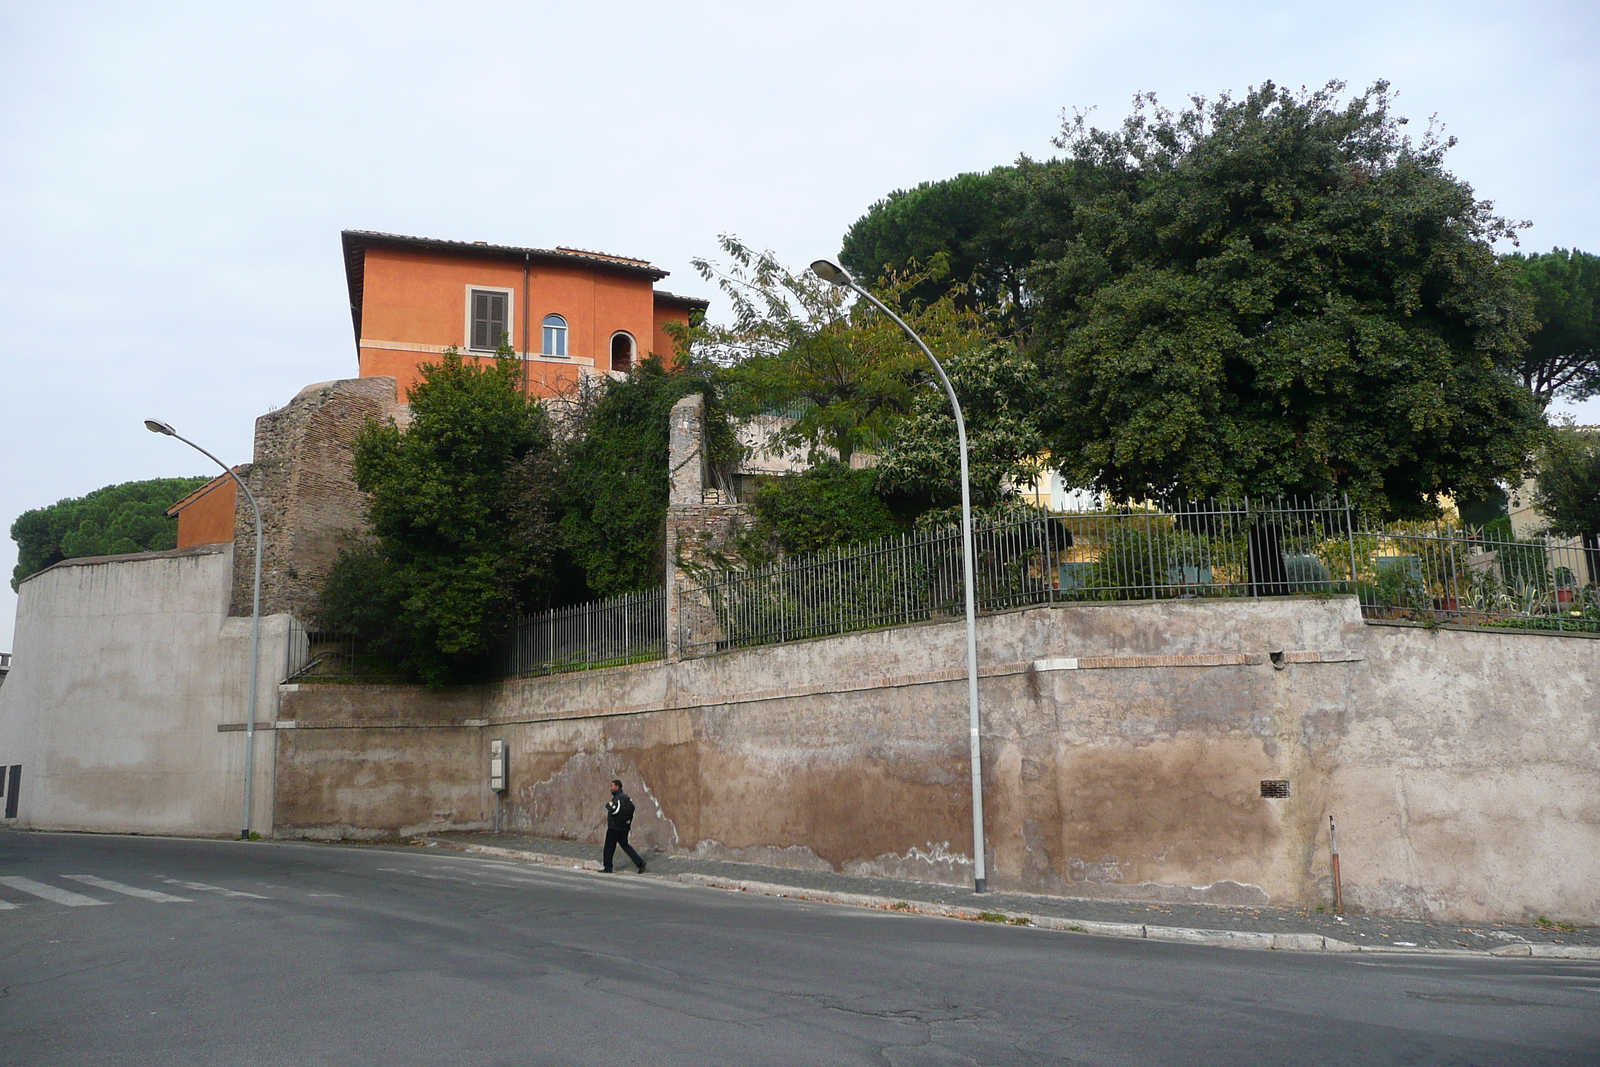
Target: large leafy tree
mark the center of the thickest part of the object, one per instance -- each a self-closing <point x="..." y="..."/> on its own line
<point x="1002" y="398"/>
<point x="797" y="347"/>
<point x="1563" y="355"/>
<point x="461" y="504"/>
<point x="1277" y="294"/>
<point x="130" y="517"/>
<point x="1568" y="490"/>
<point x="969" y="229"/>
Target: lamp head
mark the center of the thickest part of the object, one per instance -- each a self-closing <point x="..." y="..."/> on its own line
<point x="831" y="272"/>
<point x="157" y="426"/>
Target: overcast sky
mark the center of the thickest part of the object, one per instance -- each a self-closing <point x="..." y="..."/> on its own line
<point x="173" y="178"/>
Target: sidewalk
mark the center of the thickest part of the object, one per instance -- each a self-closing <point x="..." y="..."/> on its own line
<point x="1245" y="927"/>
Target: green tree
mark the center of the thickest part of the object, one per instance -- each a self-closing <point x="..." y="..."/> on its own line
<point x="822" y="507"/>
<point x="1563" y="355"/>
<point x="798" y="347"/>
<point x="130" y="517"/>
<point x="1568" y="489"/>
<point x="969" y="226"/>
<point x="461" y="504"/>
<point x="616" y="477"/>
<point x="1276" y="294"/>
<point x="1002" y="398"/>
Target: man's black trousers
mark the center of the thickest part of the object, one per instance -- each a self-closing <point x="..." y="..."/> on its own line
<point x="613" y="839"/>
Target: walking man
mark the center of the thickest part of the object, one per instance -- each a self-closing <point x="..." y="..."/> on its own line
<point x="619" y="820"/>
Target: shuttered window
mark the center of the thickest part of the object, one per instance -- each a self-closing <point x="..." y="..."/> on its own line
<point x="488" y="319"/>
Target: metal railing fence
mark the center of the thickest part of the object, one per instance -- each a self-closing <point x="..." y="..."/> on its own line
<point x="603" y="633"/>
<point x="1213" y="549"/>
<point x="1430" y="573"/>
<point x="322" y="655"/>
<point x="1461" y="577"/>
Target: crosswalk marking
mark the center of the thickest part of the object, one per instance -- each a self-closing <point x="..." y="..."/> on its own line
<point x="133" y="891"/>
<point x="50" y="892"/>
<point x="201" y="887"/>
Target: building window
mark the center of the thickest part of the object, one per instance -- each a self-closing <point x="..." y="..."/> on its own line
<point x="490" y="326"/>
<point x="621" y="351"/>
<point x="555" y="336"/>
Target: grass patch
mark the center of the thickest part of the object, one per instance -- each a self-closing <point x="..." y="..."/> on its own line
<point x="1020" y="920"/>
<point x="1548" y="924"/>
<point x="1075" y="928"/>
<point x="991" y="916"/>
<point x="899" y="905"/>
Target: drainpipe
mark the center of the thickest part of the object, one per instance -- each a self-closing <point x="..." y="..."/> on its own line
<point x="526" y="326"/>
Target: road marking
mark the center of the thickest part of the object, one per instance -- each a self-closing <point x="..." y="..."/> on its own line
<point x="50" y="892"/>
<point x="201" y="887"/>
<point x="6" y="905"/>
<point x="117" y="887"/>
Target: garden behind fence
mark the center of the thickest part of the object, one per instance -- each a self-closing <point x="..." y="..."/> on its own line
<point x="1437" y="574"/>
<point x="1431" y="573"/>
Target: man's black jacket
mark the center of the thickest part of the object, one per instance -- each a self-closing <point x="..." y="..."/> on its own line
<point x="619" y="811"/>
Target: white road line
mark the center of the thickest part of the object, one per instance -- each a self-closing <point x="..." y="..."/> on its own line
<point x="50" y="892"/>
<point x="547" y="879"/>
<point x="6" y="905"/>
<point x="201" y="887"/>
<point x="117" y="887"/>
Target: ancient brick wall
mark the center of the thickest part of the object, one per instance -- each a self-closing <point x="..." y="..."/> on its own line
<point x="310" y="506"/>
<point x="702" y="524"/>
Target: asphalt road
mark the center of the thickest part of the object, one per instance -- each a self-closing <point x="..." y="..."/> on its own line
<point x="308" y="954"/>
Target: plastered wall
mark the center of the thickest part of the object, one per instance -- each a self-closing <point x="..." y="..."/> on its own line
<point x="1124" y="749"/>
<point x="124" y="668"/>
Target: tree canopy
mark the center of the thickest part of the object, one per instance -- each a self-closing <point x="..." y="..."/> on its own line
<point x="461" y="505"/>
<point x="615" y="477"/>
<point x="1002" y="399"/>
<point x="796" y="347"/>
<point x="966" y="232"/>
<point x="1563" y="355"/>
<point x="1279" y="294"/>
<point x="1568" y="489"/>
<point x="130" y="517"/>
<point x="822" y="507"/>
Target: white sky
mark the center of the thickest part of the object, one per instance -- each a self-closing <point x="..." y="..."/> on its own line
<point x="173" y="178"/>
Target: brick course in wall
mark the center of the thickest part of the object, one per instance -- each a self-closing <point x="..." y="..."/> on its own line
<point x="310" y="506"/>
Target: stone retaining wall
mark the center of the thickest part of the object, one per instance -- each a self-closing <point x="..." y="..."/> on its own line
<point x="1125" y="747"/>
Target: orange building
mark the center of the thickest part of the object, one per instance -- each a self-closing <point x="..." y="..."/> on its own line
<point x="564" y="311"/>
<point x="205" y="516"/>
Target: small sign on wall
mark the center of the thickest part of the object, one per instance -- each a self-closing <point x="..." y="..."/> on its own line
<point x="497" y="765"/>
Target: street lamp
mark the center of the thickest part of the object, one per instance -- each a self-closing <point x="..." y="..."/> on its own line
<point x="157" y="426"/>
<point x="834" y="274"/>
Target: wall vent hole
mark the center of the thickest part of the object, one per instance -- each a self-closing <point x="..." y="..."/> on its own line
<point x="1275" y="788"/>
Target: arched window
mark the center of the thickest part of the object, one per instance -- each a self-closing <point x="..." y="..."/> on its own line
<point x="621" y="351"/>
<point x="555" y="336"/>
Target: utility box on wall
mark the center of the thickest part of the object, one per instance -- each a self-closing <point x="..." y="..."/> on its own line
<point x="498" y="753"/>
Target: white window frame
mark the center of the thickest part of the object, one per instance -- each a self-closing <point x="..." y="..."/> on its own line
<point x="566" y="336"/>
<point x="511" y="316"/>
<point x="633" y="349"/>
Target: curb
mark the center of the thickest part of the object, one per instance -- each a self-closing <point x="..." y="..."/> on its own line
<point x="1239" y="939"/>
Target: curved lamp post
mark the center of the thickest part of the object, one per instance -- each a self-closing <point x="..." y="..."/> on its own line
<point x="834" y="274"/>
<point x="157" y="426"/>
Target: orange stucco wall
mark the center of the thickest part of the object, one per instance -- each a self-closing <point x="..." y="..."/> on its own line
<point x="208" y="518"/>
<point x="661" y="342"/>
<point x="420" y="299"/>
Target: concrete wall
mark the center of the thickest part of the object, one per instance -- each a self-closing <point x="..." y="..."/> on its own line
<point x="1125" y="745"/>
<point x="125" y="666"/>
